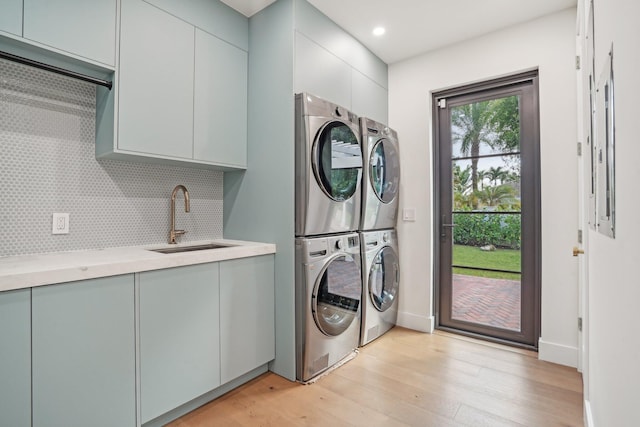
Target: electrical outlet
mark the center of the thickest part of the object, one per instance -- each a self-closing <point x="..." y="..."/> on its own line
<point x="60" y="223"/>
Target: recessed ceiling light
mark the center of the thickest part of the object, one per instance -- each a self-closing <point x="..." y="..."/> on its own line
<point x="378" y="31"/>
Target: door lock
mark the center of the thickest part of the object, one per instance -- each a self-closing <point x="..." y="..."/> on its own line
<point x="577" y="251"/>
<point x="443" y="233"/>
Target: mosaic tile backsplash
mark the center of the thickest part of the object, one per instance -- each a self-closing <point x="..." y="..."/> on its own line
<point x="48" y="164"/>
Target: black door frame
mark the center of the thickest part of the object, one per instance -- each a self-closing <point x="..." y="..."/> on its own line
<point x="533" y="220"/>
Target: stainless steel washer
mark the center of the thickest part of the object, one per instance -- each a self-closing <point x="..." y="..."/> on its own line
<point x="381" y="176"/>
<point x="328" y="168"/>
<point x="381" y="279"/>
<point x="328" y="292"/>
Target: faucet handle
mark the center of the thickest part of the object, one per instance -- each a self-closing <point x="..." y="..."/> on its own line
<point x="175" y="233"/>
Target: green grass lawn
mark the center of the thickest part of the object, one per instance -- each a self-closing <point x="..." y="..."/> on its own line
<point x="500" y="259"/>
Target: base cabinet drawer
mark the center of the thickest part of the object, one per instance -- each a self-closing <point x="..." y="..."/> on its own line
<point x="84" y="353"/>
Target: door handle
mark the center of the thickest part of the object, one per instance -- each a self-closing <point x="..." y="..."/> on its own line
<point x="443" y="233"/>
<point x="577" y="251"/>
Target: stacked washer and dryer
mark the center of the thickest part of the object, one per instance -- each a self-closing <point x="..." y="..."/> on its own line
<point x="338" y="245"/>
<point x="378" y="238"/>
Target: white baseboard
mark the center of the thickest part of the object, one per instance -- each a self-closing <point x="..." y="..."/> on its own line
<point x="588" y="416"/>
<point x="558" y="353"/>
<point x="416" y="322"/>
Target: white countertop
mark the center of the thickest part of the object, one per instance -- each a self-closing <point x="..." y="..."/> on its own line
<point x="25" y="271"/>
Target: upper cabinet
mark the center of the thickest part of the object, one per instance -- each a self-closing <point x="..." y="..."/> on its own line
<point x="11" y="17"/>
<point x="155" y="82"/>
<point x="368" y="98"/>
<point x="77" y="29"/>
<point x="181" y="89"/>
<point x="331" y="64"/>
<point x="220" y="104"/>
<point x="84" y="28"/>
<point x="321" y="73"/>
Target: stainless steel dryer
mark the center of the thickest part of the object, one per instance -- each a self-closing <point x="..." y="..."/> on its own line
<point x="328" y="168"/>
<point x="381" y="176"/>
<point x="328" y="292"/>
<point x="381" y="278"/>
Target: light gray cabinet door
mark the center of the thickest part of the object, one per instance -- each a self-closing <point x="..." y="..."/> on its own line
<point x="247" y="315"/>
<point x="84" y="353"/>
<point x="369" y="99"/>
<point x="84" y="28"/>
<point x="155" y="116"/>
<point x="220" y="122"/>
<point x="321" y="73"/>
<point x="15" y="358"/>
<point x="11" y="16"/>
<point x="179" y="336"/>
<point x="214" y="17"/>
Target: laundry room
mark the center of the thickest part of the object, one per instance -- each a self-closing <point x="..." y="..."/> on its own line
<point x="312" y="212"/>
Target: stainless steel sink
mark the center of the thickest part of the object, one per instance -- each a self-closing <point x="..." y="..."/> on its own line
<point x="179" y="249"/>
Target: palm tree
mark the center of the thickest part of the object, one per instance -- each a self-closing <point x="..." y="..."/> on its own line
<point x="461" y="179"/>
<point x="461" y="187"/>
<point x="471" y="126"/>
<point x="497" y="173"/>
<point x="496" y="196"/>
<point x="482" y="174"/>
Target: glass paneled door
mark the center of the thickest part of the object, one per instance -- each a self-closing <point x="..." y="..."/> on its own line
<point x="488" y="197"/>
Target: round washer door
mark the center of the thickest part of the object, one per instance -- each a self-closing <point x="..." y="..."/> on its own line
<point x="384" y="277"/>
<point x="384" y="170"/>
<point x="336" y="296"/>
<point x="337" y="160"/>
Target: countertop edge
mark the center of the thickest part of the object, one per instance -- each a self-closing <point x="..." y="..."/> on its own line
<point x="28" y="271"/>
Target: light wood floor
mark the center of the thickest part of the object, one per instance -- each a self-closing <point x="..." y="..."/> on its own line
<point x="407" y="378"/>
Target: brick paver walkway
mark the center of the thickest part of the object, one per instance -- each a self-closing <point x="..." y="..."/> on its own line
<point x="493" y="302"/>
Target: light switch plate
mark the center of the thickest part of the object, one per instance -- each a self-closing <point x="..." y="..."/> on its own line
<point x="409" y="214"/>
<point x="60" y="223"/>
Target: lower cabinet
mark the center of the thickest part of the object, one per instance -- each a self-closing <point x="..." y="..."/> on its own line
<point x="15" y="358"/>
<point x="83" y="353"/>
<point x="68" y="351"/>
<point x="247" y="315"/>
<point x="179" y="336"/>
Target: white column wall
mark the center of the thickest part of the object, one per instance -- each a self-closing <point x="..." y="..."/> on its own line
<point x="614" y="286"/>
<point x="548" y="44"/>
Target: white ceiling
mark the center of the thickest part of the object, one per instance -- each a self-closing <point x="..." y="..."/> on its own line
<point x="417" y="26"/>
<point x="248" y="7"/>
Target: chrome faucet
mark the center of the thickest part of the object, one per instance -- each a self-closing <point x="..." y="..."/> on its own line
<point x="173" y="232"/>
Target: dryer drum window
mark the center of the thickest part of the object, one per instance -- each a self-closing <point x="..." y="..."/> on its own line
<point x="384" y="279"/>
<point x="338" y="160"/>
<point x="336" y="297"/>
<point x="384" y="170"/>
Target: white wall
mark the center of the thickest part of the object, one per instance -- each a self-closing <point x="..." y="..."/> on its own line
<point x="614" y="285"/>
<point x="548" y="44"/>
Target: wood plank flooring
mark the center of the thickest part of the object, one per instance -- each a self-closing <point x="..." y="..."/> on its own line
<point x="408" y="378"/>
